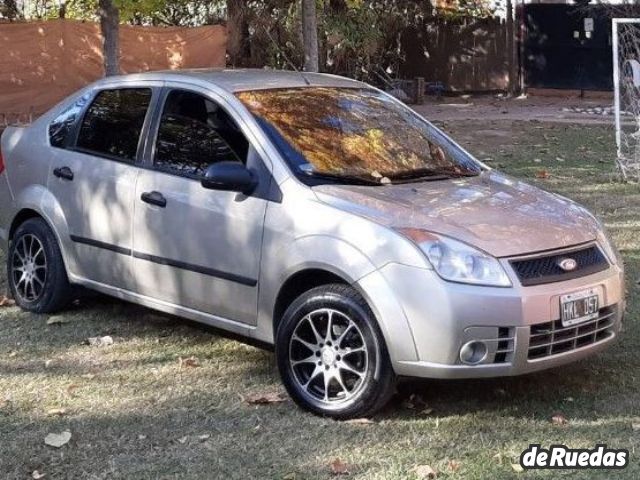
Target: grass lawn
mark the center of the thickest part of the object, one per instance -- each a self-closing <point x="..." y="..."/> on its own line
<point x="135" y="411"/>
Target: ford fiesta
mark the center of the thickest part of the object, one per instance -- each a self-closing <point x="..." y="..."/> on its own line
<point x="307" y="211"/>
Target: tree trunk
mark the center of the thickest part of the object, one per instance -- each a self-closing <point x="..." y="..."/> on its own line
<point x="110" y="27"/>
<point x="511" y="50"/>
<point x="238" y="46"/>
<point x="10" y="10"/>
<point x="310" y="35"/>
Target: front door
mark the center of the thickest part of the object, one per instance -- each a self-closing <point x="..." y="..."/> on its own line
<point x="93" y="177"/>
<point x="193" y="247"/>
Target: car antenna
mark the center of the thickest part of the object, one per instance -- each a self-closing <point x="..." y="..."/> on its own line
<point x="286" y="58"/>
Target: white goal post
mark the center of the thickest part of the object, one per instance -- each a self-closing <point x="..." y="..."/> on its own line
<point x="626" y="84"/>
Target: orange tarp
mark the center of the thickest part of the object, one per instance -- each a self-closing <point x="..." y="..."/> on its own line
<point x="43" y="62"/>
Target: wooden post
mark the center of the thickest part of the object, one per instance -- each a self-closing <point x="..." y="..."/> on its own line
<point x="418" y="90"/>
<point x="512" y="53"/>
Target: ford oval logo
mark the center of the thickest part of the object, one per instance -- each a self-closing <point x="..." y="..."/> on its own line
<point x="568" y="264"/>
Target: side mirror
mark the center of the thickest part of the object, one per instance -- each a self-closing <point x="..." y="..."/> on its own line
<point x="229" y="177"/>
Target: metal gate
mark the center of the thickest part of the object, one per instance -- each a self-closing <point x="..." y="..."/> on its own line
<point x="567" y="47"/>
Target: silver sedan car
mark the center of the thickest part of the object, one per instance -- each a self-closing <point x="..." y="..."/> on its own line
<point x="307" y="211"/>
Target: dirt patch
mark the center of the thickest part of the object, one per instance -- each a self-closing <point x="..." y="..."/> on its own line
<point x="491" y="107"/>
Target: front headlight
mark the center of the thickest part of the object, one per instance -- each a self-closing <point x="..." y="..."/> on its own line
<point x="458" y="262"/>
<point x="606" y="242"/>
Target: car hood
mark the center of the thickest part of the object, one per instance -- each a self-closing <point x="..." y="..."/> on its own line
<point x="493" y="212"/>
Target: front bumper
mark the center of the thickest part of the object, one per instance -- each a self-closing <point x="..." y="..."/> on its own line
<point x="519" y="365"/>
<point x="443" y="316"/>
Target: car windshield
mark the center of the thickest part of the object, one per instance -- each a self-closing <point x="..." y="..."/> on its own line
<point x="358" y="134"/>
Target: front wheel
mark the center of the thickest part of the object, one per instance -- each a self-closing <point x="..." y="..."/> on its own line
<point x="332" y="356"/>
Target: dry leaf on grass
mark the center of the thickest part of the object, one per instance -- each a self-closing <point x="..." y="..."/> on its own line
<point x="265" y="398"/>
<point x="204" y="437"/>
<point x="57" y="440"/>
<point x="453" y="465"/>
<point x="414" y="402"/>
<point x="183" y="440"/>
<point x="543" y="174"/>
<point x="56" y="412"/>
<point x="58" y="320"/>
<point x="360" y="421"/>
<point x="38" y="475"/>
<point x="425" y="472"/>
<point x="517" y="467"/>
<point x="338" y="467"/>
<point x="71" y="390"/>
<point x="191" y="362"/>
<point x="100" y="341"/>
<point x="635" y="427"/>
<point x="7" y="302"/>
<point x="559" y="419"/>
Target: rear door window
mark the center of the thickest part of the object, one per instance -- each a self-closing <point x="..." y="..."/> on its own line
<point x="113" y="123"/>
<point x="195" y="132"/>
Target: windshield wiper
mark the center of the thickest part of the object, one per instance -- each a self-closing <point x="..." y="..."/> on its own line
<point x="429" y="175"/>
<point x="349" y="179"/>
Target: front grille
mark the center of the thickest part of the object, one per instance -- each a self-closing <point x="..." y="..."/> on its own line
<point x="506" y="344"/>
<point x="546" y="269"/>
<point x="552" y="338"/>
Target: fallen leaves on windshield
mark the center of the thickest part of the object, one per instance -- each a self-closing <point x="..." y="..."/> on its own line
<point x="348" y="131"/>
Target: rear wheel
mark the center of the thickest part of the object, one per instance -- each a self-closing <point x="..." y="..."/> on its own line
<point x="35" y="269"/>
<point x="331" y="354"/>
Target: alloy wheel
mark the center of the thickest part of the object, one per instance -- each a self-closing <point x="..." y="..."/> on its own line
<point x="329" y="357"/>
<point x="29" y="268"/>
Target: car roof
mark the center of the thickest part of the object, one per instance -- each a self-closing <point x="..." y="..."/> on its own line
<point x="238" y="80"/>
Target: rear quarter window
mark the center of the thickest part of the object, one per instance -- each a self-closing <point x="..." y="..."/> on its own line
<point x="62" y="126"/>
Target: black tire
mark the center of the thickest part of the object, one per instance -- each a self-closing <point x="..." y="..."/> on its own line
<point x="55" y="292"/>
<point x="376" y="383"/>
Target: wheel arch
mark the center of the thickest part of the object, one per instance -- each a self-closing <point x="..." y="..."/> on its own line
<point x="21" y="217"/>
<point x="36" y="201"/>
<point x="300" y="282"/>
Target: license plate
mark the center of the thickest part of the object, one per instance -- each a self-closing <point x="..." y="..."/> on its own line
<point x="579" y="307"/>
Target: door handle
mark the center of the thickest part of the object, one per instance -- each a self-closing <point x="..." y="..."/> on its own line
<point x="154" y="198"/>
<point x="63" y="172"/>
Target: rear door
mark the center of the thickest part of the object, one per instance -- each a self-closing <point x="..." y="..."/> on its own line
<point x="194" y="247"/>
<point x="93" y="175"/>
